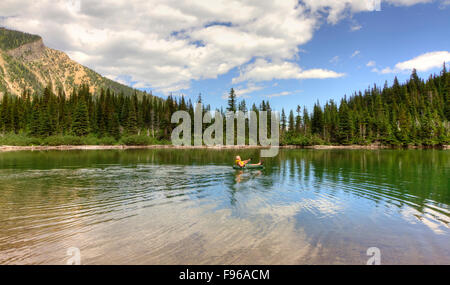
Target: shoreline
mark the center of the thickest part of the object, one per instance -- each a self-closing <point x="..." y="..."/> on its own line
<point x="125" y="147"/>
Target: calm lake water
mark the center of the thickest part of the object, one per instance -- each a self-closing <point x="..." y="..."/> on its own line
<point x="178" y="207"/>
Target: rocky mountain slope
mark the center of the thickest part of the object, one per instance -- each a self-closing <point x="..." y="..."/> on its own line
<point x="26" y="63"/>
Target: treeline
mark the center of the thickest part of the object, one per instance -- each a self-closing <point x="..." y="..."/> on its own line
<point x="87" y="118"/>
<point x="106" y="115"/>
<point x="414" y="113"/>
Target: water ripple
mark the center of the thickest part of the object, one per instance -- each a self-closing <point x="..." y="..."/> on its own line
<point x="294" y="212"/>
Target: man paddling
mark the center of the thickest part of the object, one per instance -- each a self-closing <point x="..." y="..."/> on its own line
<point x="239" y="162"/>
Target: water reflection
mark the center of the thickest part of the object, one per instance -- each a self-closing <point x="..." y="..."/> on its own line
<point x="243" y="176"/>
<point x="170" y="207"/>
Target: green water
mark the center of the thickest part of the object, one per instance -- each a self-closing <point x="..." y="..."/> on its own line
<point x="191" y="207"/>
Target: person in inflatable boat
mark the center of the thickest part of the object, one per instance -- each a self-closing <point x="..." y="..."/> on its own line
<point x="242" y="163"/>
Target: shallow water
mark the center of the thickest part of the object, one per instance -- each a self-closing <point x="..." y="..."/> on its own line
<point x="190" y="206"/>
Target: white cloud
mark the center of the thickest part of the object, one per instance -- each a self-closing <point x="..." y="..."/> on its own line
<point x="355" y="53"/>
<point x="422" y="62"/>
<point x="335" y="59"/>
<point x="407" y="2"/>
<point x="355" y="27"/>
<point x="284" y="93"/>
<point x="244" y="91"/>
<point x="371" y="63"/>
<point x="337" y="10"/>
<point x="263" y="70"/>
<point x="165" y="44"/>
<point x="319" y="73"/>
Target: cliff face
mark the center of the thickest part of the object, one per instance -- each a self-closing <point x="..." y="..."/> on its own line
<point x="26" y="63"/>
<point x="29" y="52"/>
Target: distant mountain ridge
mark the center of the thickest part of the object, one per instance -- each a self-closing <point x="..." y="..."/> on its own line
<point x="26" y="63"/>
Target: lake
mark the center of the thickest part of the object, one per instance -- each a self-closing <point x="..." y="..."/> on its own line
<point x="190" y="207"/>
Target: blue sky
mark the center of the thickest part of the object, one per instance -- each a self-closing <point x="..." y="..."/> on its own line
<point x="289" y="52"/>
<point x="387" y="37"/>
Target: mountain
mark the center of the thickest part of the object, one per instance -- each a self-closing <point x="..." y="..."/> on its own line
<point x="25" y="62"/>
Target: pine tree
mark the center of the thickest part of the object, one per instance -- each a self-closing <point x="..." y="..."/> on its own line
<point x="306" y="122"/>
<point x="114" y="127"/>
<point x="35" y="115"/>
<point x="317" y="120"/>
<point x="80" y="124"/>
<point x="331" y="122"/>
<point x="283" y="121"/>
<point x="403" y="125"/>
<point x="6" y="114"/>
<point x="298" y="119"/>
<point x="385" y="131"/>
<point x="61" y="112"/>
<point x="124" y="105"/>
<point x="345" y="124"/>
<point x="16" y="116"/>
<point x="291" y="124"/>
<point x="446" y="91"/>
<point x="242" y="106"/>
<point x="132" y="124"/>
<point x="100" y="114"/>
<point x="45" y="123"/>
<point x="231" y="101"/>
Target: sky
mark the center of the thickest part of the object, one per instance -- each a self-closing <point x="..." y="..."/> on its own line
<point x="288" y="52"/>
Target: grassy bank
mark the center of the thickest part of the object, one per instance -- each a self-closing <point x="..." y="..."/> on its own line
<point x="21" y="141"/>
<point x="315" y="140"/>
<point x="217" y="148"/>
<point x="24" y="140"/>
